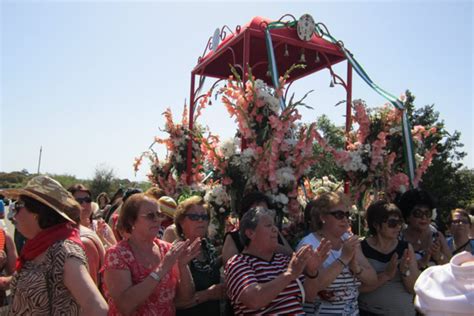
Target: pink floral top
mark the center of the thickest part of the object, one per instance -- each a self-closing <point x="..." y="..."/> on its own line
<point x="161" y="301"/>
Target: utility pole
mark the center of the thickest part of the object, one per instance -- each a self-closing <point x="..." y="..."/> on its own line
<point x="39" y="159"/>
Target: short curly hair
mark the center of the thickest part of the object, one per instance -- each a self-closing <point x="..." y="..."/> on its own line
<point x="412" y="198"/>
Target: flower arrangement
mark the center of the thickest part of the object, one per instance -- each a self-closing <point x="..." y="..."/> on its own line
<point x="219" y="202"/>
<point x="170" y="173"/>
<point x="278" y="151"/>
<point x="373" y="159"/>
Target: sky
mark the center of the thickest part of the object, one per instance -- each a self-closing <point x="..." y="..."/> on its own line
<point x="88" y="80"/>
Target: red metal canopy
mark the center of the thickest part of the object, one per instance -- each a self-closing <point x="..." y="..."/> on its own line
<point x="247" y="46"/>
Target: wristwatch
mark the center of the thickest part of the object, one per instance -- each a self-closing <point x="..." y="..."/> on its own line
<point x="155" y="276"/>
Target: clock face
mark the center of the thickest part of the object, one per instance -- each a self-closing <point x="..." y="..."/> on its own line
<point x="305" y="27"/>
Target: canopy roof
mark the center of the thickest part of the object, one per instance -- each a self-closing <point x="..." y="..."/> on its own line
<point x="247" y="45"/>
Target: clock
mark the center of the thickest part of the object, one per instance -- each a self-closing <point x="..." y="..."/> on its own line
<point x="305" y="27"/>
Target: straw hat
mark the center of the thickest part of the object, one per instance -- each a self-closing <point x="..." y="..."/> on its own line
<point x="167" y="205"/>
<point x="49" y="192"/>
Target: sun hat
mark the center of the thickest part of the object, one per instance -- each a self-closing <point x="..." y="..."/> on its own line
<point x="167" y="205"/>
<point x="49" y="192"/>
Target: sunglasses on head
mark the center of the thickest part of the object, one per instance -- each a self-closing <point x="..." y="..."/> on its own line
<point x="417" y="213"/>
<point x="459" y="221"/>
<point x="153" y="216"/>
<point x="394" y="222"/>
<point x="339" y="214"/>
<point x="86" y="199"/>
<point x="196" y="217"/>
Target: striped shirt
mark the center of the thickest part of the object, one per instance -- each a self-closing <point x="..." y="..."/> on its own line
<point x="243" y="270"/>
<point x="340" y="297"/>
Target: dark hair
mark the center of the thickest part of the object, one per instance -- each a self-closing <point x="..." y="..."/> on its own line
<point x="47" y="217"/>
<point x="103" y="195"/>
<point x="130" y="192"/>
<point x="252" y="198"/>
<point x="129" y="211"/>
<point x="412" y="198"/>
<point x="183" y="208"/>
<point x="78" y="188"/>
<point x="378" y="212"/>
<point x="250" y="220"/>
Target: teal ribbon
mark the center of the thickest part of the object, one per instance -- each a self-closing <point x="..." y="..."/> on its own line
<point x="272" y="65"/>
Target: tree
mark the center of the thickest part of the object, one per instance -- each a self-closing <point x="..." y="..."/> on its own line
<point x="102" y="181"/>
<point x="444" y="178"/>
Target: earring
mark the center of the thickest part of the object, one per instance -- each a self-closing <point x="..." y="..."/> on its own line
<point x="324" y="222"/>
<point x="133" y="227"/>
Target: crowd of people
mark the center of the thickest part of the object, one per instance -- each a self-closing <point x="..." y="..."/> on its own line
<point x="141" y="253"/>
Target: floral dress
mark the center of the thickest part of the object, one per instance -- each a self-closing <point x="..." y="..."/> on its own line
<point x="161" y="301"/>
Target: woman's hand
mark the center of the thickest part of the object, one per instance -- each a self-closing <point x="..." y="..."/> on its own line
<point x="190" y="252"/>
<point x="391" y="268"/>
<point x="105" y="234"/>
<point x="318" y="256"/>
<point x="348" y="248"/>
<point x="174" y="253"/>
<point x="298" y="261"/>
<point x="435" y="250"/>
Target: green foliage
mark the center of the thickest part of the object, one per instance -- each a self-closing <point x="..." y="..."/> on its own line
<point x="326" y="164"/>
<point x="102" y="180"/>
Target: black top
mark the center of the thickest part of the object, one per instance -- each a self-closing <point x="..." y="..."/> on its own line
<point x="205" y="273"/>
<point x="371" y="253"/>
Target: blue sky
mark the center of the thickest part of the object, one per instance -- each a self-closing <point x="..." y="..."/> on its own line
<point x="88" y="80"/>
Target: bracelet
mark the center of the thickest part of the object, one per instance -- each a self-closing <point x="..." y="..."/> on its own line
<point x="312" y="276"/>
<point x="341" y="262"/>
<point x="155" y="276"/>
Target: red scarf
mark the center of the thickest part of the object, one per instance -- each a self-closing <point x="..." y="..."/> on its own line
<point x="36" y="246"/>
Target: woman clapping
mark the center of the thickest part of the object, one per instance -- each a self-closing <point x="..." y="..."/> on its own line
<point x="144" y="275"/>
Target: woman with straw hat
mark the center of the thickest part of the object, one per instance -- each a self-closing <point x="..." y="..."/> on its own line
<point x="51" y="275"/>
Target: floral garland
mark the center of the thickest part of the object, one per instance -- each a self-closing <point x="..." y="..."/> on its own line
<point x="373" y="159"/>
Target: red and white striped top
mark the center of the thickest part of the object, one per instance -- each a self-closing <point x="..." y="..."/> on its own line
<point x="242" y="270"/>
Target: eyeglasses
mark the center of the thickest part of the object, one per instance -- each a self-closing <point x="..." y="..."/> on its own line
<point x="339" y="214"/>
<point x="153" y="216"/>
<point x="394" y="222"/>
<point x="84" y="200"/>
<point x="418" y="213"/>
<point x="16" y="207"/>
<point x="196" y="217"/>
<point x="459" y="222"/>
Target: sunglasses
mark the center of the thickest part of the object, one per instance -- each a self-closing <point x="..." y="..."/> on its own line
<point x="196" y="217"/>
<point x="84" y="200"/>
<point x="417" y="213"/>
<point x="16" y="207"/>
<point x="340" y="215"/>
<point x="394" y="222"/>
<point x="459" y="222"/>
<point x="153" y="216"/>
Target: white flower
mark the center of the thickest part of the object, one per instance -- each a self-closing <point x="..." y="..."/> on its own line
<point x="285" y="176"/>
<point x="221" y="210"/>
<point x="227" y="148"/>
